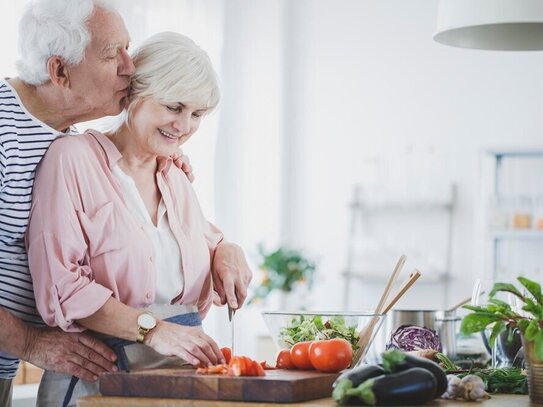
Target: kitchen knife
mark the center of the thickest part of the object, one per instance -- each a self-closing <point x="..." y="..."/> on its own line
<point x="231" y="313"/>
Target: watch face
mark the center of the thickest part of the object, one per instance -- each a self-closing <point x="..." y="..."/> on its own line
<point x="146" y="321"/>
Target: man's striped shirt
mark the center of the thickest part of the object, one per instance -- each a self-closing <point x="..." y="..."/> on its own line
<point x="23" y="142"/>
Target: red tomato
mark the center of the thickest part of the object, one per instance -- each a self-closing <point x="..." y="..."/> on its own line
<point x="283" y="360"/>
<point x="299" y="355"/>
<point x="332" y="355"/>
<point x="227" y="353"/>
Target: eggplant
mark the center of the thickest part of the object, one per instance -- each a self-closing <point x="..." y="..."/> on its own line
<point x="397" y="361"/>
<point x="354" y="377"/>
<point x="410" y="387"/>
<point x="360" y="374"/>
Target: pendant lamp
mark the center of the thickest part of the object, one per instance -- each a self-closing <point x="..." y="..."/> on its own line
<point x="507" y="25"/>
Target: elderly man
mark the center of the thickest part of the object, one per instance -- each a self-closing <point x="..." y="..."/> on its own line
<point x="75" y="67"/>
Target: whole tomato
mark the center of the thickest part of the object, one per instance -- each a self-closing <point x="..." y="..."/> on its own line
<point x="332" y="355"/>
<point x="283" y="360"/>
<point x="299" y="355"/>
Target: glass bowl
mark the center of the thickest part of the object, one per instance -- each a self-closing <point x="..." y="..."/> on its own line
<point x="288" y="328"/>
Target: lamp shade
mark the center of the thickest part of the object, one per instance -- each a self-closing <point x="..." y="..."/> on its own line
<point x="508" y="25"/>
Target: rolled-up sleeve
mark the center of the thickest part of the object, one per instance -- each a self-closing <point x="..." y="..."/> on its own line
<point x="213" y="237"/>
<point x="57" y="245"/>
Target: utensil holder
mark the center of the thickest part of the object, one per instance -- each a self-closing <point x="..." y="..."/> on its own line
<point x="534" y="366"/>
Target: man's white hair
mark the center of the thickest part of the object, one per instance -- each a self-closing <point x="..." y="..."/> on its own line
<point x="53" y="27"/>
<point x="171" y="68"/>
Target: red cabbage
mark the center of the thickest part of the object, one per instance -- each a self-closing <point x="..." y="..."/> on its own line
<point x="411" y="337"/>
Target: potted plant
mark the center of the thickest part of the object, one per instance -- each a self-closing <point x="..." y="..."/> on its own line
<point x="282" y="269"/>
<point x="502" y="317"/>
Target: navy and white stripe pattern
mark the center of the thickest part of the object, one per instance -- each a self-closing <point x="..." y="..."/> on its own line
<point x="23" y="142"/>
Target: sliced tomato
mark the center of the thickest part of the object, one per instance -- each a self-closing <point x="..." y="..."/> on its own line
<point x="227" y="353"/>
<point x="249" y="366"/>
<point x="236" y="367"/>
<point x="266" y="366"/>
<point x="252" y="369"/>
<point x="244" y="366"/>
<point x="258" y="369"/>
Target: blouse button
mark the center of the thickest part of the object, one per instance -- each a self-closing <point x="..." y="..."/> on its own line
<point x="151" y="259"/>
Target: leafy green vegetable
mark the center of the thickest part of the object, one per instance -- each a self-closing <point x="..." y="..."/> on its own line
<point x="506" y="380"/>
<point x="447" y="364"/>
<point x="304" y="328"/>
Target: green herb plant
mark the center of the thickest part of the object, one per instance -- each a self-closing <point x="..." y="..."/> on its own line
<point x="283" y="269"/>
<point x="500" y="315"/>
<point x="503" y="380"/>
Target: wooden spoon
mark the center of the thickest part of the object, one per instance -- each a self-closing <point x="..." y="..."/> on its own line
<point x="366" y="332"/>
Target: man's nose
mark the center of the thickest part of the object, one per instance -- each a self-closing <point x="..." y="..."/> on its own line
<point x="127" y="65"/>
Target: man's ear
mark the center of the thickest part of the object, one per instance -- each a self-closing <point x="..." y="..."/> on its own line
<point x="58" y="71"/>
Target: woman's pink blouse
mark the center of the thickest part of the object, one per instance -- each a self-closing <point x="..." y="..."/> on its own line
<point x="84" y="245"/>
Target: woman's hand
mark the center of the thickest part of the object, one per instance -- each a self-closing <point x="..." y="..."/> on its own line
<point x="231" y="275"/>
<point x="188" y="343"/>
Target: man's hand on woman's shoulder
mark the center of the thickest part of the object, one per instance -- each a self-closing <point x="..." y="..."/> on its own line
<point x="182" y="161"/>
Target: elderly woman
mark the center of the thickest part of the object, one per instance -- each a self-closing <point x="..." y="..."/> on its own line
<point x="117" y="242"/>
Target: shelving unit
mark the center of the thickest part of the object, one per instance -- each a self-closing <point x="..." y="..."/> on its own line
<point x="516" y="235"/>
<point x="363" y="212"/>
<point x="499" y="164"/>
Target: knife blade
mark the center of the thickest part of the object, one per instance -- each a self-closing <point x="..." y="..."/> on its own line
<point x="231" y="313"/>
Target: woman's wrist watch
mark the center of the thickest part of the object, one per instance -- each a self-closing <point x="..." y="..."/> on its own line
<point x="146" y="322"/>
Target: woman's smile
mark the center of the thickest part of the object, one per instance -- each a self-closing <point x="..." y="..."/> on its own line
<point x="169" y="136"/>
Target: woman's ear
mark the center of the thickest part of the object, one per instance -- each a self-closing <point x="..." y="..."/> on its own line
<point x="58" y="71"/>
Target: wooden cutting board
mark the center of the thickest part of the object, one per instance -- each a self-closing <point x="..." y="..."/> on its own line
<point x="282" y="386"/>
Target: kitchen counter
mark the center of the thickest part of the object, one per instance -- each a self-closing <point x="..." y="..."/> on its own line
<point x="500" y="400"/>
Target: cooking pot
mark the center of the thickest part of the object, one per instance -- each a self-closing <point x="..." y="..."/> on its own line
<point x="442" y="321"/>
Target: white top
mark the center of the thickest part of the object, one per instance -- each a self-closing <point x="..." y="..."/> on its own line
<point x="168" y="266"/>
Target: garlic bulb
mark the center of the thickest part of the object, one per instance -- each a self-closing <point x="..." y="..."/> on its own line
<point x="473" y="388"/>
<point x="454" y="387"/>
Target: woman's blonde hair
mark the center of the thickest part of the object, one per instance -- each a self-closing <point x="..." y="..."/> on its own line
<point x="171" y="68"/>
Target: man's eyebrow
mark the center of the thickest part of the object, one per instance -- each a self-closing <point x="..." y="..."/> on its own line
<point x="111" y="46"/>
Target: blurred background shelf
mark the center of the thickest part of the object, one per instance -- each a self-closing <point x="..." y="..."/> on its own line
<point x="384" y="226"/>
<point x="516" y="235"/>
<point x="513" y="199"/>
<point x="381" y="276"/>
<point x="397" y="206"/>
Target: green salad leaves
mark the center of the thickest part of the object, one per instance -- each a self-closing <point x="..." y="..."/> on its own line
<point x="310" y="328"/>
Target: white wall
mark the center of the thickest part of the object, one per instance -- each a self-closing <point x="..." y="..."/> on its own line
<point x="370" y="83"/>
<point x="371" y="98"/>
